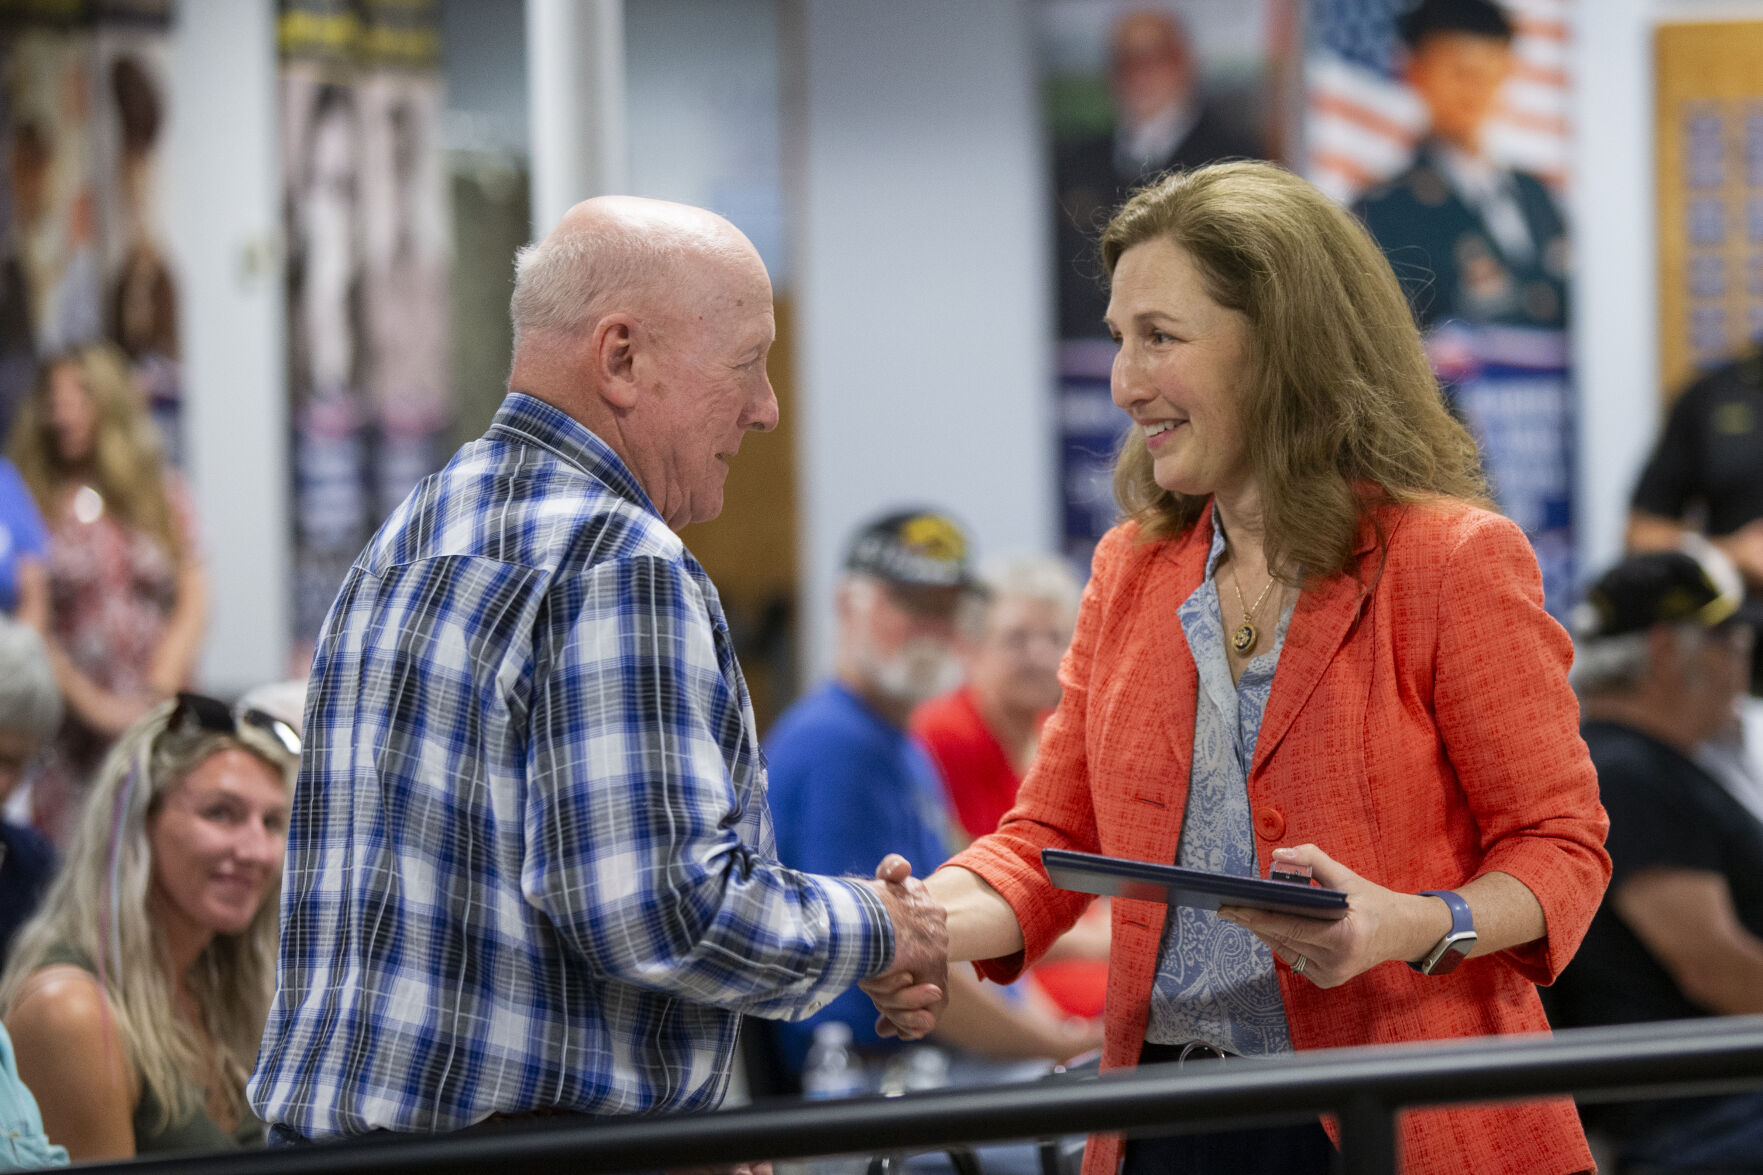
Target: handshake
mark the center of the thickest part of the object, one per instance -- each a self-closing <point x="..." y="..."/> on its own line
<point x="914" y="989"/>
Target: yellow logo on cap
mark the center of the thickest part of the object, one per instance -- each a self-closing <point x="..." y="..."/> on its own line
<point x="935" y="537"/>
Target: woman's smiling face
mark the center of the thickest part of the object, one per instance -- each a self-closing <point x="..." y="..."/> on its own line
<point x="217" y="840"/>
<point x="1181" y="372"/>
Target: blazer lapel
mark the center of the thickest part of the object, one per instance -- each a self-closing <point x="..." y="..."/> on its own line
<point x="1320" y="624"/>
<point x="1173" y="577"/>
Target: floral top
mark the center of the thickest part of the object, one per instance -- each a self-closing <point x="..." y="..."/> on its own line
<point x="112" y="591"/>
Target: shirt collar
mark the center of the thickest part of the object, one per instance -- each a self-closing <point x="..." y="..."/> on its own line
<point x="531" y="420"/>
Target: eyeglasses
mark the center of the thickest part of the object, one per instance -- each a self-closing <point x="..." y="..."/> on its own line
<point x="215" y="715"/>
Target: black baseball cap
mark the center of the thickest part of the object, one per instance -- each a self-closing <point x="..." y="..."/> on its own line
<point x="913" y="548"/>
<point x="1659" y="587"/>
<point x="1481" y="18"/>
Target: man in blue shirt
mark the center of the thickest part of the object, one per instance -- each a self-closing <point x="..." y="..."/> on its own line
<point x="849" y="785"/>
<point x="530" y="863"/>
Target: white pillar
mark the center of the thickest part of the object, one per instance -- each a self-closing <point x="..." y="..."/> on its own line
<point x="575" y="91"/>
<point x="1616" y="255"/>
<point x="222" y="217"/>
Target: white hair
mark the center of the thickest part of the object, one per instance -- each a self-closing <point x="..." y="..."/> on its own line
<point x="1619" y="664"/>
<point x="1609" y="664"/>
<point x="1033" y="577"/>
<point x="30" y="701"/>
<point x="1044" y="578"/>
<point x="570" y="280"/>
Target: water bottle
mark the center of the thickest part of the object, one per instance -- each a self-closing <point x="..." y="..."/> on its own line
<point x="832" y="1069"/>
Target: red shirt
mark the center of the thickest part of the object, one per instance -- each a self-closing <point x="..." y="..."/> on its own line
<point x="981" y="785"/>
<point x="977" y="775"/>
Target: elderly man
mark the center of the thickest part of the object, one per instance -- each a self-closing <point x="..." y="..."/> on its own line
<point x="530" y="863"/>
<point x="1662" y="657"/>
<point x="849" y="784"/>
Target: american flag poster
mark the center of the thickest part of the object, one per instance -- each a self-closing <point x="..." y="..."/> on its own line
<point x="1444" y="124"/>
<point x="1362" y="120"/>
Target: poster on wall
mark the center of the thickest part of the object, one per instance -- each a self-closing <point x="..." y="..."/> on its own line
<point x="83" y="114"/>
<point x="1131" y="90"/>
<point x="365" y="217"/>
<point x="1709" y="127"/>
<point x="1444" y="124"/>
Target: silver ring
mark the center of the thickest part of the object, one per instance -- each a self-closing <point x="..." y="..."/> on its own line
<point x="1298" y="965"/>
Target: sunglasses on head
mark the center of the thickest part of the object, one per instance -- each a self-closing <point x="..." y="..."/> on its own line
<point x="212" y="714"/>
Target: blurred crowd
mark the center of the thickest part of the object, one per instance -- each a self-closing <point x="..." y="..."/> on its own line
<point x="146" y="824"/>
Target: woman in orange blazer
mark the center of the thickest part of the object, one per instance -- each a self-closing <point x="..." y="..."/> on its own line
<point x="1310" y="642"/>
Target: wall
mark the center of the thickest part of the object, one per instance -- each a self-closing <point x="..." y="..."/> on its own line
<point x="222" y="217"/>
<point x="1616" y="252"/>
<point x="917" y="256"/>
<point x="703" y="100"/>
<point x="922" y="266"/>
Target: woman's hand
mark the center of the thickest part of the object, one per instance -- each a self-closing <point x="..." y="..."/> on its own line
<point x="1380" y="925"/>
<point x="912" y="993"/>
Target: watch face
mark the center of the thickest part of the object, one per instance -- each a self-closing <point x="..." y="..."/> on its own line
<point x="1449" y="953"/>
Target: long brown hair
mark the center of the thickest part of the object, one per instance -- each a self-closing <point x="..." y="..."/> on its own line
<point x="127" y="466"/>
<point x="1342" y="414"/>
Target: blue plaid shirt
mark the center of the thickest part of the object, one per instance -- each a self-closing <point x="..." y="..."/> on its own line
<point x="530" y="862"/>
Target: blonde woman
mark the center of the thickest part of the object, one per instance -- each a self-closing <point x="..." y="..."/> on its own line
<point x="127" y="595"/>
<point x="136" y="996"/>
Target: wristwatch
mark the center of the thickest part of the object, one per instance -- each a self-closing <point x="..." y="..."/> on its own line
<point x="1458" y="941"/>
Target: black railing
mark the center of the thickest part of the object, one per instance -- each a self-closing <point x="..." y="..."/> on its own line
<point x="1365" y="1086"/>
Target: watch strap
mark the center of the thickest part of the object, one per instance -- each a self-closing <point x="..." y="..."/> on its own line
<point x="1458" y="941"/>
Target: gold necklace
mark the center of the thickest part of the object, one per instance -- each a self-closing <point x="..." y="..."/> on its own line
<point x="1244" y="636"/>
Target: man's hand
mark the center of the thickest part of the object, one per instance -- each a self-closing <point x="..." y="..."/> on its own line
<point x="914" y="989"/>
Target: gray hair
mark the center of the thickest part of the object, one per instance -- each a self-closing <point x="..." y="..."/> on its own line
<point x="570" y="280"/>
<point x="1618" y="664"/>
<point x="1046" y="578"/>
<point x="30" y="701"/>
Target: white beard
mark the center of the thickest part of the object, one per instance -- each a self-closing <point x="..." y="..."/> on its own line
<point x="917" y="672"/>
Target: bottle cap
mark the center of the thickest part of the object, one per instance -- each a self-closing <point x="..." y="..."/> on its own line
<point x="832" y="1032"/>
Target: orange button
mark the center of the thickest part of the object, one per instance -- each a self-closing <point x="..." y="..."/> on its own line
<point x="1270" y="823"/>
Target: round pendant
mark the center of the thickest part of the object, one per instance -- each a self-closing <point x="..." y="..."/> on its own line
<point x="1243" y="639"/>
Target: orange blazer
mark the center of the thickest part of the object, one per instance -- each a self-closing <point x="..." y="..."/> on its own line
<point x="1421" y="731"/>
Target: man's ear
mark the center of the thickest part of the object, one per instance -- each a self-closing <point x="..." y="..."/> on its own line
<point x="613" y="354"/>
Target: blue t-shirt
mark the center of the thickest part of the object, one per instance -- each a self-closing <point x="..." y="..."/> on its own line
<point x="846" y="789"/>
<point x="22" y="533"/>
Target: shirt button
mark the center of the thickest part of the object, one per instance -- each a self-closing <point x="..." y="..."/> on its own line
<point x="1270" y="823"/>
